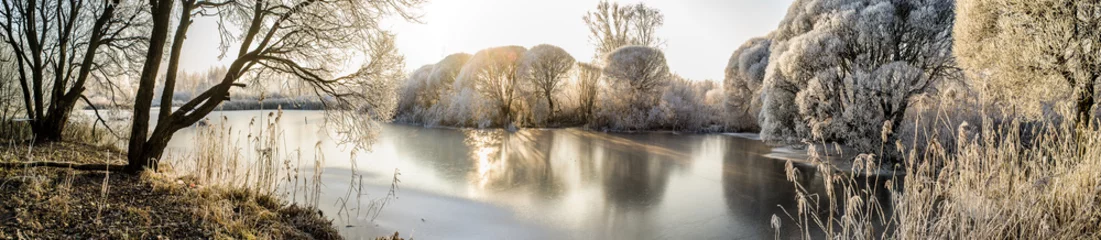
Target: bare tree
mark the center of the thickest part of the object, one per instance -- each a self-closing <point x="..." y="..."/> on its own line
<point x="612" y="26"/>
<point x="57" y="45"/>
<point x="1026" y="52"/>
<point x="588" y="83"/>
<point x="8" y="93"/>
<point x="304" y="39"/>
<point x="544" y="67"/>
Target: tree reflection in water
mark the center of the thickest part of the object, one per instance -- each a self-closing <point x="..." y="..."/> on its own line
<point x="518" y="161"/>
<point x="578" y="184"/>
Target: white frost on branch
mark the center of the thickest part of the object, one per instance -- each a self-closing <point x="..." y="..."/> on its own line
<point x="840" y="69"/>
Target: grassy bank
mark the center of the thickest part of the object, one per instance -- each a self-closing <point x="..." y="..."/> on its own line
<point x="52" y="203"/>
<point x="990" y="179"/>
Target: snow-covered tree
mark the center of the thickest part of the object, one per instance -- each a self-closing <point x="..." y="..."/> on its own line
<point x="413" y="95"/>
<point x="588" y="83"/>
<point x="493" y="74"/>
<point x="444" y="73"/>
<point x="636" y="77"/>
<point x="1026" y="52"/>
<point x="543" y="69"/>
<point x="840" y="70"/>
<point x="683" y="106"/>
<point x="744" y="74"/>
<point x="641" y="69"/>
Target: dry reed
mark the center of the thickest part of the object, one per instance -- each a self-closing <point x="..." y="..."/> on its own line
<point x="1001" y="179"/>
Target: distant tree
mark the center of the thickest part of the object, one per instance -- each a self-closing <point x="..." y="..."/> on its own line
<point x="840" y="70"/>
<point x="683" y="106"/>
<point x="414" y="95"/>
<point x="302" y="39"/>
<point x="639" y="68"/>
<point x="493" y="74"/>
<point x="443" y="75"/>
<point x="636" y="77"/>
<point x="9" y="104"/>
<point x="745" y="72"/>
<point x="57" y="46"/>
<point x="544" y="67"/>
<point x="1026" y="52"/>
<point x="612" y="26"/>
<point x="588" y="84"/>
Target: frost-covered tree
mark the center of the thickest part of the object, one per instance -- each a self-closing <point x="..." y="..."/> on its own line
<point x="640" y="68"/>
<point x="492" y="73"/>
<point x="1026" y="52"/>
<point x="636" y="77"/>
<point x="683" y="106"/>
<point x="612" y="26"/>
<point x="414" y="95"/>
<point x="588" y="83"/>
<point x="544" y="67"/>
<point x="840" y="70"/>
<point x="744" y="74"/>
<point x="444" y="73"/>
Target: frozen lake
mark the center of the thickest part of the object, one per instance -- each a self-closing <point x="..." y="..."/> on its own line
<point x="541" y="183"/>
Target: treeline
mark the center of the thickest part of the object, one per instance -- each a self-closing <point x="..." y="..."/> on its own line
<point x="545" y="87"/>
<point x="864" y="74"/>
<point x="628" y="87"/>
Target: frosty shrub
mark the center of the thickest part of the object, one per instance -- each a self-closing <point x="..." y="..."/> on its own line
<point x="744" y="74"/>
<point x="684" y="107"/>
<point x="840" y="70"/>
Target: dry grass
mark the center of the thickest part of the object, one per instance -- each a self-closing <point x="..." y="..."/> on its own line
<point x="258" y="159"/>
<point x="53" y="203"/>
<point x="1002" y="178"/>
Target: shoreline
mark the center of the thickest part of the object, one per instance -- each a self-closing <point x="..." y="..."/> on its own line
<point x="58" y="202"/>
<point x="239" y="105"/>
<point x="582" y="127"/>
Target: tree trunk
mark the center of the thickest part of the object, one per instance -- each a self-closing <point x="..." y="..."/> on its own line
<point x="550" y="104"/>
<point x="50" y="128"/>
<point x="174" y="59"/>
<point x="138" y="156"/>
<point x="1085" y="104"/>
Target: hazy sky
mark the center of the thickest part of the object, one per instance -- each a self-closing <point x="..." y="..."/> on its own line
<point x="700" y="35"/>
